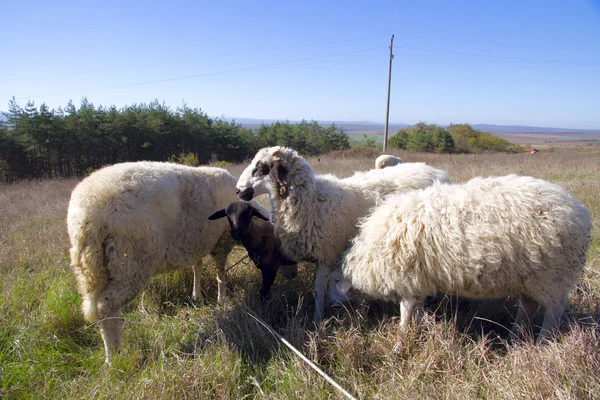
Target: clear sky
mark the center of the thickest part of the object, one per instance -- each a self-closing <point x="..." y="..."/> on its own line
<point x="480" y="61"/>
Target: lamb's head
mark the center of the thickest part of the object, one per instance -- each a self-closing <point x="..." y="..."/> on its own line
<point x="272" y="171"/>
<point x="239" y="214"/>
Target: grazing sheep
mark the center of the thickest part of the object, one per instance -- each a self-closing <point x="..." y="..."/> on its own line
<point x="258" y="237"/>
<point x="385" y="160"/>
<point x="130" y="221"/>
<point x="316" y="215"/>
<point x="487" y="238"/>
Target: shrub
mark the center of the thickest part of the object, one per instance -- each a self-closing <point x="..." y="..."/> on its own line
<point x="420" y="141"/>
<point x="488" y="142"/>
<point x="399" y="140"/>
<point x="369" y="141"/>
<point x="190" y="159"/>
<point x="424" y="138"/>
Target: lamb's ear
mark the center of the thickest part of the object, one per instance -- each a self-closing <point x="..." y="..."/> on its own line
<point x="219" y="214"/>
<point x="278" y="172"/>
<point x="344" y="286"/>
<point x="257" y="214"/>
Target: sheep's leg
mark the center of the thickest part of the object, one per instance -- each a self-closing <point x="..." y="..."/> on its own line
<point x="320" y="289"/>
<point x="552" y="319"/>
<point x="197" y="292"/>
<point x="407" y="308"/>
<point x="527" y="307"/>
<point x="111" y="327"/>
<point x="268" y="276"/>
<point x="220" y="261"/>
<point x="128" y="269"/>
<point x="219" y="254"/>
<point x="111" y="301"/>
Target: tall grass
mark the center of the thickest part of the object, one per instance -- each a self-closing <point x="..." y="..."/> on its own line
<point x="174" y="348"/>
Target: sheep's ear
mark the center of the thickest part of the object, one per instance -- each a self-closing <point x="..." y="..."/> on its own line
<point x="219" y="214"/>
<point x="344" y="286"/>
<point x="278" y="172"/>
<point x="275" y="150"/>
<point x="257" y="214"/>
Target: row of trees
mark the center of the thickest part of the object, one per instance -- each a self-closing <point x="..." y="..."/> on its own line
<point x="40" y="143"/>
<point x="456" y="138"/>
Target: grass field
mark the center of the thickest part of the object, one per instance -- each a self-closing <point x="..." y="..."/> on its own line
<point x="174" y="348"/>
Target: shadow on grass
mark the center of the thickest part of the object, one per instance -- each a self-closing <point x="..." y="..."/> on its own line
<point x="206" y="325"/>
<point x="490" y="319"/>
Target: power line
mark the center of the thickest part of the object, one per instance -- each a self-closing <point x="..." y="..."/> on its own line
<point x="254" y="68"/>
<point x="299" y="64"/>
<point x="487" y="62"/>
<point x="302" y="62"/>
<point x="503" y="57"/>
<point x="534" y="79"/>
<point x="501" y="44"/>
<point x="191" y="59"/>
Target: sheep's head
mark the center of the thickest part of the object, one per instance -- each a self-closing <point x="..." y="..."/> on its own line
<point x="269" y="172"/>
<point x="239" y="214"/>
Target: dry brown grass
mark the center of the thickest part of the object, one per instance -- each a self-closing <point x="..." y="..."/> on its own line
<point x="174" y="348"/>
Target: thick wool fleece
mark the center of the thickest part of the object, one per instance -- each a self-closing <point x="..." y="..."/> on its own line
<point x="318" y="215"/>
<point x="386" y="160"/>
<point x="130" y="221"/>
<point x="487" y="238"/>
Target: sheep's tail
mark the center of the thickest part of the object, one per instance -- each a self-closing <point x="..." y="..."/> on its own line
<point x="87" y="260"/>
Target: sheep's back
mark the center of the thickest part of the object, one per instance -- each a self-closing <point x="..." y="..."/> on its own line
<point x="399" y="178"/>
<point x="386" y="160"/>
<point x="165" y="206"/>
<point x="486" y="238"/>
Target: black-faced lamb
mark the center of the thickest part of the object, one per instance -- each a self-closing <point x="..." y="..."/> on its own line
<point x="487" y="238"/>
<point x="316" y="215"/>
<point x="250" y="226"/>
<point x="130" y="221"/>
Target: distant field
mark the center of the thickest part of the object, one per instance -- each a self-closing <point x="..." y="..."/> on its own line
<point x="549" y="138"/>
<point x="515" y="134"/>
<point x="174" y="348"/>
<point x="538" y="139"/>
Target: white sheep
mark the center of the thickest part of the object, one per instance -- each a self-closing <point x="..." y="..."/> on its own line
<point x="386" y="160"/>
<point x="316" y="215"/>
<point x="130" y="221"/>
<point x="487" y="238"/>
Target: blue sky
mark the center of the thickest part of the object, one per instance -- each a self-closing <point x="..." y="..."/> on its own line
<point x="498" y="62"/>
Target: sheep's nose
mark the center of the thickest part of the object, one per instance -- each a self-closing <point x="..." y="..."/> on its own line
<point x="246" y="194"/>
<point x="237" y="191"/>
<point x="235" y="235"/>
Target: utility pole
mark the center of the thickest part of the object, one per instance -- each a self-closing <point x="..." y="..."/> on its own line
<point x="387" y="108"/>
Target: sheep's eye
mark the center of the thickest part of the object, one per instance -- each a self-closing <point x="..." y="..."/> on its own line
<point x="260" y="169"/>
<point x="264" y="169"/>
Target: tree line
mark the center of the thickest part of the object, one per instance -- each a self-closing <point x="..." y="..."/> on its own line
<point x="456" y="138"/>
<point x="36" y="142"/>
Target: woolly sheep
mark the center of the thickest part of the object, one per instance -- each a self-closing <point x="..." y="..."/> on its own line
<point x="386" y="160"/>
<point x="487" y="238"/>
<point x="130" y="221"/>
<point x="316" y="215"/>
<point x="258" y="237"/>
